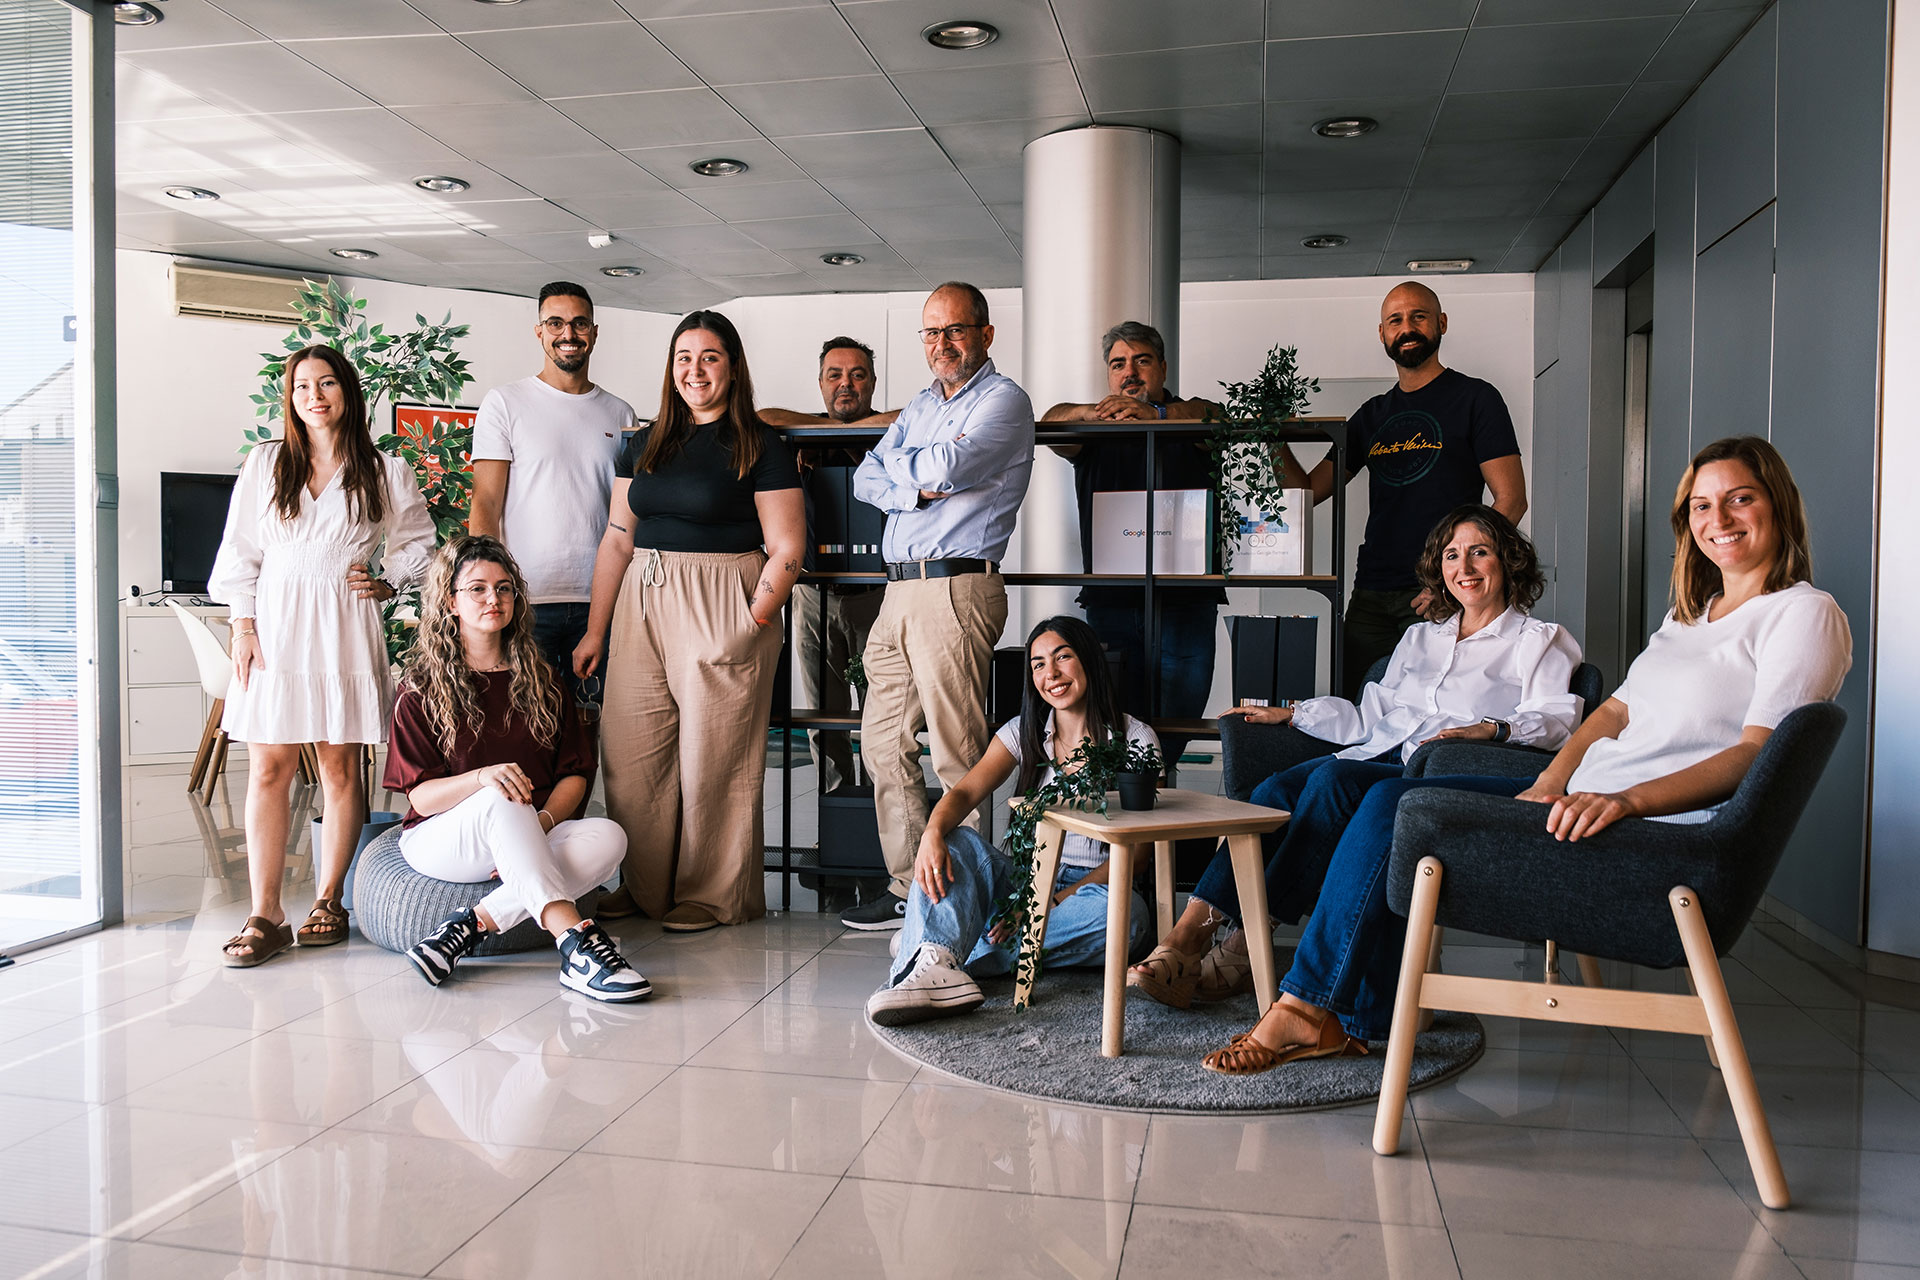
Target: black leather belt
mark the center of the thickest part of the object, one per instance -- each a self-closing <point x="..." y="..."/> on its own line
<point x="937" y="569"/>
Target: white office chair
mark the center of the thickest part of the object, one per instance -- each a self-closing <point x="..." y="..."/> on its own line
<point x="216" y="672"/>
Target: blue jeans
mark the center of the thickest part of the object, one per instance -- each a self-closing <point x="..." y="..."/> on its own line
<point x="1076" y="928"/>
<point x="1331" y="860"/>
<point x="557" y="629"/>
<point x="1186" y="659"/>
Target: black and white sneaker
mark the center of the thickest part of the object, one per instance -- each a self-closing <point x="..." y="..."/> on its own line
<point x="436" y="954"/>
<point x="591" y="965"/>
<point x="884" y="912"/>
<point x="935" y="987"/>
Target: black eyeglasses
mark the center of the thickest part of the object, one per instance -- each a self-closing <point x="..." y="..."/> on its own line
<point x="952" y="333"/>
<point x="559" y="324"/>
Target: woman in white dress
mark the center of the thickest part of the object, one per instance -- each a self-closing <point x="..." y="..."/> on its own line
<point x="309" y="656"/>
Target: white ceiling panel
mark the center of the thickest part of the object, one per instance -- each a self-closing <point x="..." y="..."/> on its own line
<point x="504" y="131"/>
<point x="993" y="142"/>
<point x="810" y="236"/>
<point x="412" y="71"/>
<point x="942" y="222"/>
<point x="1216" y="75"/>
<point x="366" y="136"/>
<point x="1096" y="27"/>
<point x="1203" y="131"/>
<point x="1410" y="65"/>
<point x="735" y="262"/>
<point x="250" y="78"/>
<point x="516" y="215"/>
<point x="567" y="62"/>
<point x="303" y="19"/>
<point x="784" y="44"/>
<point x="660" y="207"/>
<point x="901" y="191"/>
<point x="663" y="118"/>
<point x="1559" y="55"/>
<point x="188" y="23"/>
<point x="765" y="163"/>
<point x="846" y="104"/>
<point x="472" y="248"/>
<point x="805" y="198"/>
<point x="1021" y="91"/>
<point x="891" y="31"/>
<point x="606" y="172"/>
<point x="996" y="184"/>
<point x="892" y="153"/>
<point x="1314" y="267"/>
<point x="163" y="227"/>
<point x="465" y="15"/>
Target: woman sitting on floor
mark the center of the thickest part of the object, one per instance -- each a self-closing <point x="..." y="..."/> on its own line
<point x="1749" y="639"/>
<point x="958" y="878"/>
<point x="1484" y="670"/>
<point x="494" y="763"/>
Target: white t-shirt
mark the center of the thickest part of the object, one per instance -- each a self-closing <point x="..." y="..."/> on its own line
<point x="562" y="448"/>
<point x="1700" y="683"/>
<point x="1515" y="668"/>
<point x="1075" y="850"/>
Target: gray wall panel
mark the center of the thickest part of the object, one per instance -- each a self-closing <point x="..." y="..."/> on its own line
<point x="1546" y="314"/>
<point x="1825" y="416"/>
<point x="1733" y="334"/>
<point x="1624" y="216"/>
<point x="1670" y="366"/>
<point x="1565" y="498"/>
<point x="1736" y="155"/>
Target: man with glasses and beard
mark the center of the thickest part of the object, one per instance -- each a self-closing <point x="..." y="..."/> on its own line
<point x="1434" y="442"/>
<point x="543" y="453"/>
<point x="950" y="474"/>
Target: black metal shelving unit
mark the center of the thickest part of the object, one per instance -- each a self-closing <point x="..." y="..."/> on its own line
<point x="786" y="858"/>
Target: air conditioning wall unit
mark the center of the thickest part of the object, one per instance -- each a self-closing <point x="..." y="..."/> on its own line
<point x="234" y="295"/>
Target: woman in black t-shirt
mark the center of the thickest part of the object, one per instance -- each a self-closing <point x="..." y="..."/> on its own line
<point x="686" y="615"/>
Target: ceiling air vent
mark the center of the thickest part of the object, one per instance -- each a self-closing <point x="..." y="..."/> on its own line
<point x="234" y="295"/>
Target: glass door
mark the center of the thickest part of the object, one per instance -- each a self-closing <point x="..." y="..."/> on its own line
<point x="50" y="864"/>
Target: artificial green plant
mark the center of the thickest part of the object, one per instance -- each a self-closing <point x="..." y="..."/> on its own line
<point x="1245" y="445"/>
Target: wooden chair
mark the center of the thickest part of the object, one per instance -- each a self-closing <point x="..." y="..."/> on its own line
<point x="1660" y="894"/>
<point x="216" y="673"/>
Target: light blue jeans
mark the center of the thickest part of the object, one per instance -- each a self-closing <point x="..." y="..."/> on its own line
<point x="1076" y="928"/>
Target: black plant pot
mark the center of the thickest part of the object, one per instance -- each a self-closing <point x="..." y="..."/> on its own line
<point x="1136" y="789"/>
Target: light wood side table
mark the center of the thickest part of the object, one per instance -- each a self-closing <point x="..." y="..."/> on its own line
<point x="1178" y="815"/>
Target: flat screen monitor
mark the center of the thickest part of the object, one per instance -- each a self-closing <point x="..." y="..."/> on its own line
<point x="193" y="514"/>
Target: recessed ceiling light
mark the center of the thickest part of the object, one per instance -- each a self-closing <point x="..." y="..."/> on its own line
<point x="718" y="167"/>
<point x="192" y="193"/>
<point x="1440" y="264"/>
<point x="1346" y="126"/>
<point x="354" y="255"/>
<point x="1323" y="242"/>
<point x="130" y="13"/>
<point x="496" y="1"/>
<point x="961" y="33"/>
<point x="622" y="273"/>
<point x="441" y="183"/>
<point x="842" y="259"/>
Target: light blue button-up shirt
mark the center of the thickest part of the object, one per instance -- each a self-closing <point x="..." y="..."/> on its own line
<point x="976" y="447"/>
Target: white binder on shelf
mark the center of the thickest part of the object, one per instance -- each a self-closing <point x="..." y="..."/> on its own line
<point x="1179" y="526"/>
<point x="1277" y="543"/>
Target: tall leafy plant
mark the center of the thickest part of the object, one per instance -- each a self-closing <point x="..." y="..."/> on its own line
<point x="421" y="365"/>
<point x="1245" y="445"/>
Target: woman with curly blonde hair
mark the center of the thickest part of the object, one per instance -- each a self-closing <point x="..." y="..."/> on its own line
<point x="495" y="764"/>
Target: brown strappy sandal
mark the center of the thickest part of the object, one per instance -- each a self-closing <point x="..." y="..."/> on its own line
<point x="1167" y="975"/>
<point x="1224" y="974"/>
<point x="258" y="941"/>
<point x="1245" y="1056"/>
<point x="326" y="924"/>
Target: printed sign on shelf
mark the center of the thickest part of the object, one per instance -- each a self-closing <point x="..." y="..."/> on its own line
<point x="1279" y="543"/>
<point x="1179" y="529"/>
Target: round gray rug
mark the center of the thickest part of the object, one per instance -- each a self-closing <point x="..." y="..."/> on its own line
<point x="1052" y="1051"/>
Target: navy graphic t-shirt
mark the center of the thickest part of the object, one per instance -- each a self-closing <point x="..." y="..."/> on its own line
<point x="1422" y="451"/>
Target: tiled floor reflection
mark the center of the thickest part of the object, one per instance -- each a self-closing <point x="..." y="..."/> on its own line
<point x="328" y="1115"/>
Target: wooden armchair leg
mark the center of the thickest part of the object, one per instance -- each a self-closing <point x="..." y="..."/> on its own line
<point x="1250" y="878"/>
<point x="1713" y="1055"/>
<point x="203" y="755"/>
<point x="1162" y="889"/>
<point x="1703" y="968"/>
<point x="1113" y="1010"/>
<point x="216" y="764"/>
<point x="1589" y="971"/>
<point x="1406" y="1007"/>
<point x="1433" y="966"/>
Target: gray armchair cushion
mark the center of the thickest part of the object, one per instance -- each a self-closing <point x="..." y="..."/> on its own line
<point x="1252" y="753"/>
<point x="1606" y="895"/>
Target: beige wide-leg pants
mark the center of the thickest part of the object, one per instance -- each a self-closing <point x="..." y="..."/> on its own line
<point x="928" y="660"/>
<point x="683" y="731"/>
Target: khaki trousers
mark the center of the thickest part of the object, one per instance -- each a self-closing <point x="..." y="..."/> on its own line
<point x="928" y="658"/>
<point x="831" y="628"/>
<point x="683" y="731"/>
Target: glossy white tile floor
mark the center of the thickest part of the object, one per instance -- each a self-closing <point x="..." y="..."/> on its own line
<point x="328" y="1115"/>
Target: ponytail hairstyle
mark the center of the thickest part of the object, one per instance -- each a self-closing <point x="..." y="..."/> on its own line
<point x="1104" y="717"/>
<point x="674" y="424"/>
<point x="362" y="468"/>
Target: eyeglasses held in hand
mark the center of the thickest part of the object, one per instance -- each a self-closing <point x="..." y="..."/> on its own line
<point x="560" y="324"/>
<point x="952" y="333"/>
<point x="481" y="591"/>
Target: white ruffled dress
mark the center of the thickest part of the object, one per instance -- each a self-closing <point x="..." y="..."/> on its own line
<point x="324" y="675"/>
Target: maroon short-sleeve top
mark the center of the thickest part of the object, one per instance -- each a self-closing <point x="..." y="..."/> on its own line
<point x="414" y="755"/>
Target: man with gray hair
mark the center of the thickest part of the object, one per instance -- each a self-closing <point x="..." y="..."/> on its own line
<point x="1186" y="617"/>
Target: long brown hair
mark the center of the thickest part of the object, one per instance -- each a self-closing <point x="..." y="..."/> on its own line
<point x="1696" y="579"/>
<point x="1519" y="564"/>
<point x="1105" y="719"/>
<point x="673" y="425"/>
<point x="437" y="668"/>
<point x="362" y="470"/>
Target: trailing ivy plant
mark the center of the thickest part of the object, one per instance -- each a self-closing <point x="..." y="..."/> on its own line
<point x="1244" y="445"/>
<point x="422" y="366"/>
<point x="1080" y="782"/>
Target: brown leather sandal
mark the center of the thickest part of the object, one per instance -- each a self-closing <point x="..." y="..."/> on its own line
<point x="258" y="941"/>
<point x="1167" y="975"/>
<point x="1245" y="1056"/>
<point x="1224" y="974"/>
<point x="326" y="924"/>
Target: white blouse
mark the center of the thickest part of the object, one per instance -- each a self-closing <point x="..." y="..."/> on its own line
<point x="1516" y="668"/>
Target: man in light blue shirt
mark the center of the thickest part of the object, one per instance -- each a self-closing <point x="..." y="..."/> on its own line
<point x="950" y="474"/>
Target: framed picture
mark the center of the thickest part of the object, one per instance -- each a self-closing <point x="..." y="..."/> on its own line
<point x="431" y="421"/>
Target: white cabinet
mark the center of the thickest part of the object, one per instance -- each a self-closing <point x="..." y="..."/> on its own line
<point x="163" y="709"/>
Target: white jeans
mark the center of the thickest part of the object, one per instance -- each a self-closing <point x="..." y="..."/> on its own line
<point x="487" y="834"/>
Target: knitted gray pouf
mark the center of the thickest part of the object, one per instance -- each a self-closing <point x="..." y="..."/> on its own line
<point x="396" y="906"/>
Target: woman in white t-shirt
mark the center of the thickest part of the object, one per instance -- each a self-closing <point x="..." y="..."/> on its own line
<point x="959" y="879"/>
<point x="1749" y="640"/>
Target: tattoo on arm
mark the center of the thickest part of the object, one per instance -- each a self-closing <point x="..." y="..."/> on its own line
<point x="791" y="566"/>
<point x="612" y="525"/>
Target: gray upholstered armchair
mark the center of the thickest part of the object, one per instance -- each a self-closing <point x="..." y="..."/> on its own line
<point x="1659" y="894"/>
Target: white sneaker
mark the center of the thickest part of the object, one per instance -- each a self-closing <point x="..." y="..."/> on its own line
<point x="593" y="966"/>
<point x="935" y="987"/>
<point x="893" y="945"/>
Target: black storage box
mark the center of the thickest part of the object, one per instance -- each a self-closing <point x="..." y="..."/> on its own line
<point x="850" y="832"/>
<point x="846" y="531"/>
<point x="1273" y="658"/>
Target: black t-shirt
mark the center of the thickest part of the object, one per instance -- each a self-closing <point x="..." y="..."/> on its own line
<point x="1422" y="450"/>
<point x="1119" y="466"/>
<point x="694" y="501"/>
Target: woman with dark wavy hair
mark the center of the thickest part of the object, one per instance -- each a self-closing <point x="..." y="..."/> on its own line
<point x="309" y="651"/>
<point x="959" y="879"/>
<point x="686" y="613"/>
<point x="495" y="766"/>
<point x="1482" y="669"/>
